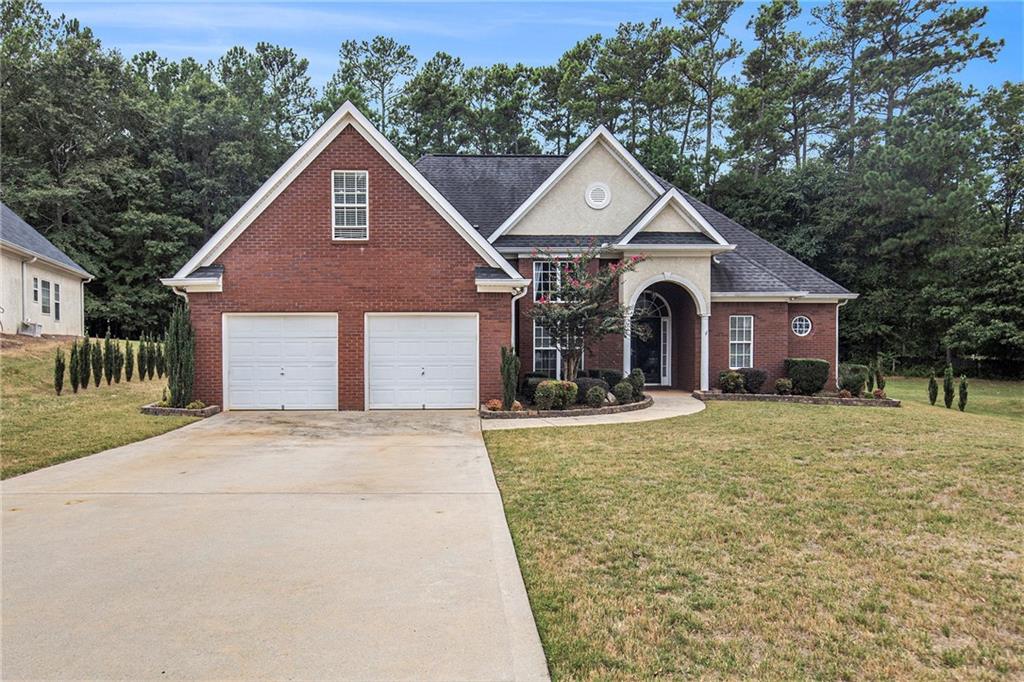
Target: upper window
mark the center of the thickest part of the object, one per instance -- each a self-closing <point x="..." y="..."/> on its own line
<point x="56" y="301"/>
<point x="801" y="325"/>
<point x="598" y="195"/>
<point x="547" y="277"/>
<point x="350" y="205"/>
<point x="46" y="297"/>
<point x="35" y="290"/>
<point x="741" y="341"/>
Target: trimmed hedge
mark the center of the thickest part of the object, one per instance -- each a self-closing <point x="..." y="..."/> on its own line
<point x="555" y="395"/>
<point x="596" y="395"/>
<point x="731" y="382"/>
<point x="623" y="392"/>
<point x="854" y="378"/>
<point x="809" y="375"/>
<point x="753" y="378"/>
<point x="609" y="376"/>
<point x="585" y="384"/>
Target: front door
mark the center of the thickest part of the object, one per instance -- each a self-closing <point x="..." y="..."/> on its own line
<point x="648" y="354"/>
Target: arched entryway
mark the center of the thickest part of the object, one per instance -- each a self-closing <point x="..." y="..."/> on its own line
<point x="651" y="350"/>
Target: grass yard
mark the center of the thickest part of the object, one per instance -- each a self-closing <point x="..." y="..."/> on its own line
<point x="758" y="540"/>
<point x="39" y="428"/>
<point x="996" y="398"/>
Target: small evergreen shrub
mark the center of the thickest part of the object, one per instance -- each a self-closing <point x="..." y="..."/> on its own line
<point x="947" y="387"/>
<point x="161" y="363"/>
<point x="623" y="392"/>
<point x="636" y="377"/>
<point x="97" y="363"/>
<point x="808" y="375"/>
<point x="181" y="357"/>
<point x="609" y="376"/>
<point x="584" y="384"/>
<point x="845" y="394"/>
<point x="108" y="358"/>
<point x="84" y="363"/>
<point x="151" y="358"/>
<point x="509" y="376"/>
<point x="933" y="389"/>
<point x="118" y="362"/>
<point x="73" y="368"/>
<point x="871" y="382"/>
<point x="58" y="371"/>
<point x="596" y="395"/>
<point x="784" y="386"/>
<point x="555" y="395"/>
<point x="143" y="358"/>
<point x="529" y="388"/>
<point x="731" y="382"/>
<point x="879" y="377"/>
<point x="753" y="378"/>
<point x="961" y="403"/>
<point x="129" y="361"/>
<point x="854" y="378"/>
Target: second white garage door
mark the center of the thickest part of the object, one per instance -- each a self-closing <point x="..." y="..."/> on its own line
<point x="421" y="361"/>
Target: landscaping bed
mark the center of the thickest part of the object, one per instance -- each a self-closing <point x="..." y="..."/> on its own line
<point x="803" y="399"/>
<point x="582" y="411"/>
<point x="158" y="410"/>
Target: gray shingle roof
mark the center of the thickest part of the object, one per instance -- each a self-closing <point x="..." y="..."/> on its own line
<point x="215" y="270"/>
<point x="20" y="234"/>
<point x="548" y="241"/>
<point x="672" y="238"/>
<point x="487" y="189"/>
<point x="484" y="272"/>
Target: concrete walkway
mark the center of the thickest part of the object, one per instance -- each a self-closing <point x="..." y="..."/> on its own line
<point x="360" y="546"/>
<point x="667" y="403"/>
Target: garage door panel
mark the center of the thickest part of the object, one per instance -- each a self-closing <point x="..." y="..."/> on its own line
<point x="416" y="361"/>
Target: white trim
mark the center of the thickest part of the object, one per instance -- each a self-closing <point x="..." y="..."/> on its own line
<point x="730" y="341"/>
<point x="366" y="348"/>
<point x="835" y="368"/>
<point x="688" y="249"/>
<point x="705" y="352"/>
<point x="598" y="205"/>
<point x="666" y="341"/>
<point x="45" y="301"/>
<point x="195" y="284"/>
<point x="500" y="286"/>
<point x="55" y="300"/>
<point x="600" y="135"/>
<point x="679" y="203"/>
<point x="81" y="274"/>
<point x="225" y="406"/>
<point x="698" y="297"/>
<point x="335" y="205"/>
<point x="792" y="324"/>
<point x="346" y="115"/>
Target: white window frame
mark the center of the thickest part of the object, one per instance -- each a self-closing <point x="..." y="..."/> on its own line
<point x="35" y="290"/>
<point x="742" y="342"/>
<point x="792" y="325"/>
<point x="557" y="265"/>
<point x="56" y="301"/>
<point x="45" y="301"/>
<point x="558" y="354"/>
<point x="335" y="206"/>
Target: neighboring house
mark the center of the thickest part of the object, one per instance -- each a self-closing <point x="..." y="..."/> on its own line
<point x="354" y="279"/>
<point x="43" y="289"/>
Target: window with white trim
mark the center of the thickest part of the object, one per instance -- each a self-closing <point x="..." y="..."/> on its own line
<point x="741" y="341"/>
<point x="35" y="290"/>
<point x="547" y="277"/>
<point x="546" y="357"/>
<point x="351" y="206"/>
<point x="46" y="297"/>
<point x="56" y="302"/>
<point x="801" y="325"/>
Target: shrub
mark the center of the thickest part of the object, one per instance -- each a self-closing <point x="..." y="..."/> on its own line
<point x="161" y="363"/>
<point x="879" y="377"/>
<point x="151" y="355"/>
<point x="181" y="361"/>
<point x="584" y="384"/>
<point x="844" y="393"/>
<point x="555" y="395"/>
<point x="142" y="358"/>
<point x="784" y="386"/>
<point x="871" y="382"/>
<point x="636" y="377"/>
<point x="596" y="395"/>
<point x="609" y="376"/>
<point x="962" y="403"/>
<point x="118" y="362"/>
<point x="195" y="405"/>
<point x="933" y="389"/>
<point x="97" y="363"/>
<point x="517" y="406"/>
<point x="84" y="363"/>
<point x="731" y="382"/>
<point x="623" y="392"/>
<point x="493" y="405"/>
<point x="879" y="394"/>
<point x="108" y="358"/>
<point x="58" y="371"/>
<point x="73" y="368"/>
<point x="509" y="376"/>
<point x="529" y="388"/>
<point x="854" y="378"/>
<point x="753" y="378"/>
<point x="807" y="374"/>
<point x="947" y="386"/>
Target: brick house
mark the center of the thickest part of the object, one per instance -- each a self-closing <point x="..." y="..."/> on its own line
<point x="354" y="279"/>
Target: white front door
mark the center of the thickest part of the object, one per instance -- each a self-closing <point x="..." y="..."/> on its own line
<point x="281" y="362"/>
<point x="421" y="361"/>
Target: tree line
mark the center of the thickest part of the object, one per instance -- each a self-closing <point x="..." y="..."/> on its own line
<point x="850" y="144"/>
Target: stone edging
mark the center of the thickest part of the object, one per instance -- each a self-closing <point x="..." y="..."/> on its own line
<point x="582" y="412"/>
<point x="156" y="410"/>
<point x="803" y="399"/>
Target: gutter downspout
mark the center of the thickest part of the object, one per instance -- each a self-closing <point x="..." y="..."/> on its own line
<point x="181" y="293"/>
<point x="81" y="289"/>
<point x="24" y="318"/>
<point x="838" y="306"/>
<point x="515" y="298"/>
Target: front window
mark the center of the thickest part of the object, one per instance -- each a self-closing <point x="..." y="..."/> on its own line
<point x="351" y="205"/>
<point x="741" y="341"/>
<point x="46" y="297"/>
<point x="35" y="290"/>
<point x="547" y="277"/>
<point x="56" y="301"/>
<point x="547" y="358"/>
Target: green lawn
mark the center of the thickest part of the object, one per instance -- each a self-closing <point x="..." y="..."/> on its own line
<point x="40" y="428"/>
<point x="759" y="540"/>
<point x="996" y="398"/>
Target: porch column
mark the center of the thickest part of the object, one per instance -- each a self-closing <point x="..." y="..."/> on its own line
<point x="705" y="361"/>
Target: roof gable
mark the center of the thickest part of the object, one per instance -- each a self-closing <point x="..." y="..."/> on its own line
<point x="347" y="115"/>
<point x="600" y="158"/>
<point x="679" y="212"/>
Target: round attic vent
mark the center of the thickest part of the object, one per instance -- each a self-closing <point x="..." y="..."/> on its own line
<point x="598" y="195"/>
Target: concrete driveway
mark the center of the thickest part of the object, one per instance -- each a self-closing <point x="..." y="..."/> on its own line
<point x="284" y="545"/>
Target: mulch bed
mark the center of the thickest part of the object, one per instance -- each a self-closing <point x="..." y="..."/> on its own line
<point x="580" y="412"/>
<point x="158" y="411"/>
<point x="804" y="399"/>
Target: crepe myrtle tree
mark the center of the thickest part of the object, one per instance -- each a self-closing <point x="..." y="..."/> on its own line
<point x="581" y="306"/>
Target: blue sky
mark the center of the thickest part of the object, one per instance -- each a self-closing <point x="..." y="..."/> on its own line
<point x="480" y="33"/>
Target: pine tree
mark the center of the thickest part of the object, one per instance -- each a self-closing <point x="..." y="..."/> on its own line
<point x="129" y="361"/>
<point x="151" y="358"/>
<point x="161" y="361"/>
<point x="143" y="358"/>
<point x="962" y="404"/>
<point x="73" y="368"/>
<point x="84" y="362"/>
<point x="933" y="389"/>
<point x="947" y="387"/>
<point x="58" y="371"/>
<point x="97" y="363"/>
<point x="108" y="357"/>
<point x="118" y="361"/>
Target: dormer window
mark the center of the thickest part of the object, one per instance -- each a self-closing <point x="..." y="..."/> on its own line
<point x="598" y="195"/>
<point x="351" y="205"/>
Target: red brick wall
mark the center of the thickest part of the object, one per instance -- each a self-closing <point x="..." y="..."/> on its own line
<point x="774" y="341"/>
<point x="285" y="261"/>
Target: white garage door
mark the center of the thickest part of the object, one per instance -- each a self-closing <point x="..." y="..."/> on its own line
<point x="281" y="362"/>
<point x="421" y="361"/>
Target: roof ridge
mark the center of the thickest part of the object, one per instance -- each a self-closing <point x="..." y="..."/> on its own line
<point x="493" y="156"/>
